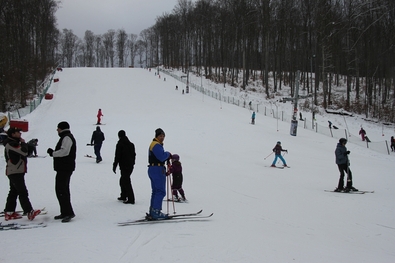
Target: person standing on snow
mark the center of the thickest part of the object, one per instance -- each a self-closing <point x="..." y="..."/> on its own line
<point x="64" y="164"/>
<point x="125" y="156"/>
<point x="253" y="118"/>
<point x="15" y="152"/>
<point x="362" y="132"/>
<point x="176" y="171"/>
<point x="97" y="141"/>
<point x="392" y="144"/>
<point x="277" y="151"/>
<point x="157" y="174"/>
<point x="99" y="115"/>
<point x="343" y="165"/>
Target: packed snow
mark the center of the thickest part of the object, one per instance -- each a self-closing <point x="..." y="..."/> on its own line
<point x="261" y="214"/>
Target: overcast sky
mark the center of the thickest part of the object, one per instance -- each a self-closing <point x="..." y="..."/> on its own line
<point x="101" y="15"/>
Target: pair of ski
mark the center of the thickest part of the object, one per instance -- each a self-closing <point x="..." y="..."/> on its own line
<point x="18" y="226"/>
<point x="351" y="192"/>
<point x="278" y="167"/>
<point x="172" y="218"/>
<point x="43" y="212"/>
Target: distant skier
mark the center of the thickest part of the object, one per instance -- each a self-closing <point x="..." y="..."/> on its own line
<point x="362" y="132"/>
<point x="99" y="115"/>
<point x="97" y="141"/>
<point x="343" y="165"/>
<point x="392" y="144"/>
<point x="176" y="171"/>
<point x="32" y="148"/>
<point x="253" y="118"/>
<point x="277" y="151"/>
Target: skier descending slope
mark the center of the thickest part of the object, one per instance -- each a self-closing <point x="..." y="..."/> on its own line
<point x="157" y="174"/>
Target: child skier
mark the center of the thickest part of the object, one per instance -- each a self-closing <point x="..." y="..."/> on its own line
<point x="277" y="151"/>
<point x="253" y="118"/>
<point x="176" y="171"/>
<point x="99" y="115"/>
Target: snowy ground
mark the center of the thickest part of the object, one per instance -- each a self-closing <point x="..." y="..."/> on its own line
<point x="261" y="214"/>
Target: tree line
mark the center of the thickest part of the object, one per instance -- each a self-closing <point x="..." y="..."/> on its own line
<point x="339" y="41"/>
<point x="331" y="42"/>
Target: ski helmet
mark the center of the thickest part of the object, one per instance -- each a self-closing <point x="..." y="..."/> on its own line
<point x="278" y="142"/>
<point x="343" y="141"/>
<point x="176" y="157"/>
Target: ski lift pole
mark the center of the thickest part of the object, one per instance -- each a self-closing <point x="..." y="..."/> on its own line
<point x="349" y="134"/>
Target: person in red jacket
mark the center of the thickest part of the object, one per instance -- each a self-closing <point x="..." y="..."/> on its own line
<point x="99" y="115"/>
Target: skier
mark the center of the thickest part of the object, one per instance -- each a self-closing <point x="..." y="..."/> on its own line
<point x="15" y="152"/>
<point x="99" y="115"/>
<point x="392" y="144"/>
<point x="253" y="118"/>
<point x="32" y="148"/>
<point x="97" y="141"/>
<point x="125" y="156"/>
<point x="343" y="165"/>
<point x="176" y="171"/>
<point x="277" y="150"/>
<point x="157" y="174"/>
<point x="362" y="132"/>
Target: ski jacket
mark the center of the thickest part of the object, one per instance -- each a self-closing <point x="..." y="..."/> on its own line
<point x="65" y="152"/>
<point x="125" y="154"/>
<point x="15" y="153"/>
<point x="97" y="136"/>
<point x="99" y="114"/>
<point x="156" y="154"/>
<point x="341" y="154"/>
<point x="278" y="149"/>
<point x="176" y="168"/>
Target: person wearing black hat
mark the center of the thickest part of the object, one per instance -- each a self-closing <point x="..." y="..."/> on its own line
<point x="125" y="157"/>
<point x="97" y="141"/>
<point x="64" y="164"/>
<point x="157" y="157"/>
<point x="15" y="154"/>
<point x="343" y="165"/>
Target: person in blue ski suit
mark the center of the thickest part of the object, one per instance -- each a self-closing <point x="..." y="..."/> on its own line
<point x="157" y="157"/>
<point x="277" y="151"/>
<point x="253" y="118"/>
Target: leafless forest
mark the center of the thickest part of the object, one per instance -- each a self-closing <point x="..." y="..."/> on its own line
<point x="333" y="43"/>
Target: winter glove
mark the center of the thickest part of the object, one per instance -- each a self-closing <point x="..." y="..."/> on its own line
<point x="114" y="168"/>
<point x="286" y="151"/>
<point x="50" y="151"/>
<point x="348" y="152"/>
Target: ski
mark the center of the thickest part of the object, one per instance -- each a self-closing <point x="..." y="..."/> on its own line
<point x="171" y="200"/>
<point x="278" y="167"/>
<point x="169" y="220"/>
<point x="171" y="217"/>
<point x="351" y="192"/>
<point x="18" y="226"/>
<point x="37" y="156"/>
<point x="43" y="212"/>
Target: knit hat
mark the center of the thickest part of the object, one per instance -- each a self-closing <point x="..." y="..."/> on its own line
<point x="175" y="157"/>
<point x="158" y="132"/>
<point x="63" y="125"/>
<point x="13" y="130"/>
<point x="121" y="133"/>
<point x="278" y="142"/>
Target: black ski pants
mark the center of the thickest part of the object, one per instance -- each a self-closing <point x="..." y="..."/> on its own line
<point x="62" y="189"/>
<point x="343" y="169"/>
<point x="126" y="184"/>
<point x="18" y="188"/>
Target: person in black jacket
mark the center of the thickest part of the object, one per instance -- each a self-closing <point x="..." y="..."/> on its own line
<point x="343" y="165"/>
<point x="64" y="165"/>
<point x="97" y="141"/>
<point x="125" y="156"/>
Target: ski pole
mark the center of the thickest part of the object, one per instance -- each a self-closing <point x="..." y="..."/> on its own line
<point x="267" y="156"/>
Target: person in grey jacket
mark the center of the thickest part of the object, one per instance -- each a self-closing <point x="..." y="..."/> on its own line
<point x="343" y="164"/>
<point x="15" y="152"/>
